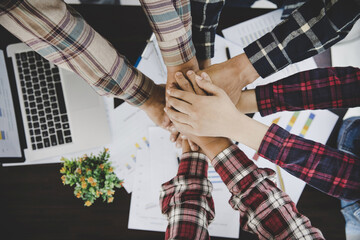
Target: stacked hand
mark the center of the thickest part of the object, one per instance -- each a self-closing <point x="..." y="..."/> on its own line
<point x="213" y="115"/>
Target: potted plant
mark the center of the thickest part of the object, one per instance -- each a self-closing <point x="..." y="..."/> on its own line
<point x="93" y="177"/>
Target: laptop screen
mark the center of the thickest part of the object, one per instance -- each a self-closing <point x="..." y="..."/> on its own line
<point x="9" y="137"/>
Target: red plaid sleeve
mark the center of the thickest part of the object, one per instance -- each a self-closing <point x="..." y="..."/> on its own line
<point x="186" y="200"/>
<point x="315" y="89"/>
<point x="332" y="171"/>
<point x="264" y="209"/>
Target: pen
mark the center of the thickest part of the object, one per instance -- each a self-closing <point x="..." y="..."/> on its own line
<point x="227" y="53"/>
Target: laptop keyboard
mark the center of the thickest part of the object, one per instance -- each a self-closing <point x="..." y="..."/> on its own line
<point x="44" y="101"/>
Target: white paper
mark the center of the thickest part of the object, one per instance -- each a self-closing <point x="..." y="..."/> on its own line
<point x="247" y="32"/>
<point x="9" y="137"/>
<point x="319" y="130"/>
<point x="220" y="49"/>
<point x="151" y="63"/>
<point x="129" y="128"/>
<point x="163" y="158"/>
<point x="145" y="212"/>
<point x="244" y="33"/>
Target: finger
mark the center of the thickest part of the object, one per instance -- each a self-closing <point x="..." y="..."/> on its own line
<point x="192" y="77"/>
<point x="183" y="127"/>
<point x="193" y="145"/>
<point x="166" y="122"/>
<point x="178" y="142"/>
<point x="183" y="83"/>
<point x="183" y="95"/>
<point x="177" y="116"/>
<point x="185" y="146"/>
<point x="206" y="84"/>
<point x="180" y="105"/>
<point x="174" y="136"/>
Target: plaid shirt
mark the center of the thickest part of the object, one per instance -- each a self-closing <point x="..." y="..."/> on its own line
<point x="264" y="209"/>
<point x="171" y="23"/>
<point x="61" y="35"/>
<point x="309" y="30"/>
<point x="332" y="171"/>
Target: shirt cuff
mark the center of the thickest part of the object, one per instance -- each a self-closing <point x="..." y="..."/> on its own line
<point x="265" y="99"/>
<point x="204" y="43"/>
<point x="272" y="143"/>
<point x="177" y="51"/>
<point x="266" y="55"/>
<point x="193" y="164"/>
<point x="233" y="165"/>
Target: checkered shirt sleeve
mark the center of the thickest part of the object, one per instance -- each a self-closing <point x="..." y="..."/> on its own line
<point x="332" y="171"/>
<point x="264" y="209"/>
<point x="326" y="88"/>
<point x="171" y="23"/>
<point x="309" y="30"/>
<point x="62" y="36"/>
<point x="205" y="16"/>
<point x="186" y="199"/>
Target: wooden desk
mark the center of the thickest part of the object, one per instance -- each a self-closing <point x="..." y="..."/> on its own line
<point x="35" y="205"/>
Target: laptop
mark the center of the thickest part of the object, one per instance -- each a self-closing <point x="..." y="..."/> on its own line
<point x="57" y="113"/>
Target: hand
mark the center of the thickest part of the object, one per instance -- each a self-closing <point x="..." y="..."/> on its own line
<point x="209" y="145"/>
<point x="233" y="75"/>
<point x="171" y="70"/>
<point x="154" y="107"/>
<point x="212" y="115"/>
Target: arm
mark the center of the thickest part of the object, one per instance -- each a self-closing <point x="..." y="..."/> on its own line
<point x="264" y="209"/>
<point x="329" y="170"/>
<point x="205" y="19"/>
<point x="186" y="199"/>
<point x="315" y="89"/>
<point x="324" y="88"/>
<point x="309" y="30"/>
<point x="332" y="171"/>
<point x="61" y="35"/>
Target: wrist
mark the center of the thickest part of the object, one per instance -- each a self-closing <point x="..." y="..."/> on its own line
<point x="213" y="148"/>
<point x="247" y="102"/>
<point x="204" y="63"/>
<point x="248" y="131"/>
<point x="245" y="70"/>
<point x="153" y="100"/>
<point x="192" y="64"/>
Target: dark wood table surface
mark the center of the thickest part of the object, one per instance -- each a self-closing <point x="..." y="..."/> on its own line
<point x="34" y="204"/>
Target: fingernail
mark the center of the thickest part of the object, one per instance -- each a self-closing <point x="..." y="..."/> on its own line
<point x="168" y="91"/>
<point x="183" y="137"/>
<point x="165" y="109"/>
<point x="172" y="139"/>
<point x="178" y="145"/>
<point x="173" y="129"/>
<point x="190" y="72"/>
<point x="178" y="74"/>
<point x="198" y="78"/>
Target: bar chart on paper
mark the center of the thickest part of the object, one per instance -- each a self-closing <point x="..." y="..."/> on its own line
<point x="2" y="135"/>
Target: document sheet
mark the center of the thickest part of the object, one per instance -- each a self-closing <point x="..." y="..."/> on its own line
<point x="9" y="137"/>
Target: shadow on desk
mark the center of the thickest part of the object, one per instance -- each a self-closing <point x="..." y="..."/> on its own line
<point x="34" y="204"/>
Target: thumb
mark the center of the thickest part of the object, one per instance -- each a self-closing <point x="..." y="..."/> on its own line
<point x="204" y="82"/>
